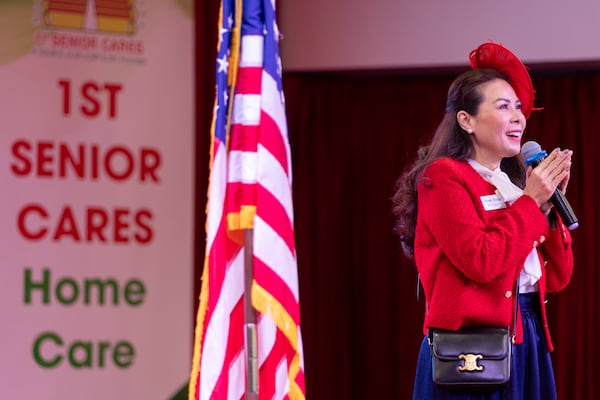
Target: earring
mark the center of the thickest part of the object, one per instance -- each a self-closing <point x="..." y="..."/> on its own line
<point x="469" y="131"/>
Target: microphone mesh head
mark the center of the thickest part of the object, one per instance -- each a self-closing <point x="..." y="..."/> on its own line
<point x="530" y="148"/>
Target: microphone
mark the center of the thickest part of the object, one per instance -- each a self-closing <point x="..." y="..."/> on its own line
<point x="533" y="155"/>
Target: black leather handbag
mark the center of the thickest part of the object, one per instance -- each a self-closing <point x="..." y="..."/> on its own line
<point x="473" y="357"/>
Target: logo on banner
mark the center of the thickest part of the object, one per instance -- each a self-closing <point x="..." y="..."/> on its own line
<point x="102" y="30"/>
<point x="116" y="16"/>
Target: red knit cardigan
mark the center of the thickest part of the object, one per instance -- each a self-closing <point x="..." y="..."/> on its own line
<point x="469" y="257"/>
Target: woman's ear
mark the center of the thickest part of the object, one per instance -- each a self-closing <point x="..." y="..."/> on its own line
<point x="464" y="120"/>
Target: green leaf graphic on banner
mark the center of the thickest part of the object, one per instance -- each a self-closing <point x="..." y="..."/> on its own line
<point x="182" y="394"/>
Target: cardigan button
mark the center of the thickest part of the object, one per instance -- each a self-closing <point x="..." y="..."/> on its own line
<point x="508" y="294"/>
<point x="536" y="243"/>
<point x="542" y="239"/>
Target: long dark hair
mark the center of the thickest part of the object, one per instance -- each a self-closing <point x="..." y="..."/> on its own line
<point x="449" y="140"/>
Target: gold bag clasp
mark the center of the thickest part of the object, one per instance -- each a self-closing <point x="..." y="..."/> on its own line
<point x="470" y="362"/>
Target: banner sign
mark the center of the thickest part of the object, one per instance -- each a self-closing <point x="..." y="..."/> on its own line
<point x="97" y="173"/>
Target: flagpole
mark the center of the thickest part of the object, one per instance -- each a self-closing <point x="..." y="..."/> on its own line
<point x="250" y="320"/>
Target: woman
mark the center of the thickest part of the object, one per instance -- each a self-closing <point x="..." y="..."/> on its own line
<point x="477" y="222"/>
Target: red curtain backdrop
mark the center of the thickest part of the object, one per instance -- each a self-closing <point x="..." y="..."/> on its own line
<point x="206" y="13"/>
<point x="352" y="134"/>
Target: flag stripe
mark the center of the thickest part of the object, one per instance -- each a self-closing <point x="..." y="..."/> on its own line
<point x="242" y="166"/>
<point x="268" y="387"/>
<point x="277" y="217"/>
<point x="240" y="142"/>
<point x="233" y="354"/>
<point x="216" y="192"/>
<point x="274" y="142"/>
<point x="266" y="277"/>
<point x="249" y="80"/>
<point x="246" y="109"/>
<point x="273" y="251"/>
<point x="274" y="179"/>
<point x="273" y="106"/>
<point x="220" y="257"/>
<point x="216" y="346"/>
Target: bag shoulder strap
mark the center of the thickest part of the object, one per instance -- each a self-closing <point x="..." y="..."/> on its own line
<point x="516" y="311"/>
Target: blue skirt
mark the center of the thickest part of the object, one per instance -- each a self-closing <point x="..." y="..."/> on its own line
<point x="532" y="376"/>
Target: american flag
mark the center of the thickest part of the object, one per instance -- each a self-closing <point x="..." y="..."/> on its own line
<point x="249" y="188"/>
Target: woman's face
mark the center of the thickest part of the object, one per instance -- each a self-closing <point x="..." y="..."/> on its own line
<point x="498" y="125"/>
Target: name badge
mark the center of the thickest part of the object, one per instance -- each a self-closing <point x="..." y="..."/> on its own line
<point x="492" y="202"/>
